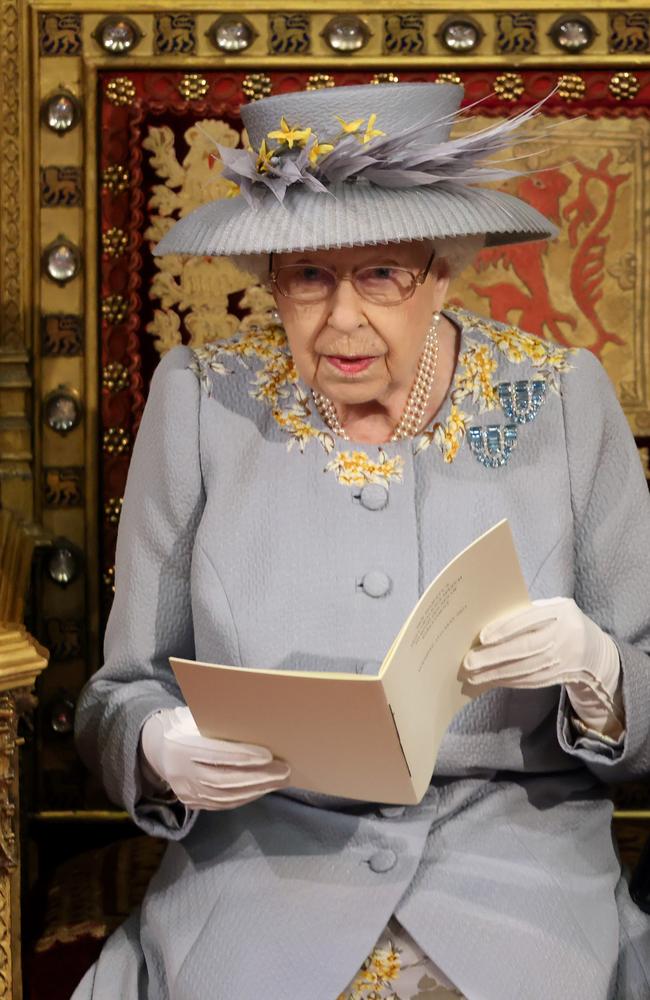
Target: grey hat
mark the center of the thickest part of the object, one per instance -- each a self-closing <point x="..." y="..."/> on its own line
<point x="358" y="165"/>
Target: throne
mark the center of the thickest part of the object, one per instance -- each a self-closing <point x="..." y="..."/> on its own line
<point x="122" y="113"/>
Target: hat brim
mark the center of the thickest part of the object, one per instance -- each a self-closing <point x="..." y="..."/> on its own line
<point x="353" y="214"/>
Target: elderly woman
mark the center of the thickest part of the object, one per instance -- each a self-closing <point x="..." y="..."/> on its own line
<point x="414" y="429"/>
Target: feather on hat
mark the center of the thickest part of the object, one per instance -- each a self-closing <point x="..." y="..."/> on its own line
<point x="359" y="165"/>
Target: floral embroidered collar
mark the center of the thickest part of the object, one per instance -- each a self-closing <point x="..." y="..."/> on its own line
<point x="275" y="382"/>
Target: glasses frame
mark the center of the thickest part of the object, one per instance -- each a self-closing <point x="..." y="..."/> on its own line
<point x="418" y="279"/>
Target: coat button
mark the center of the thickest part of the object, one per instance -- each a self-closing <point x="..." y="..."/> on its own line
<point x="369" y="667"/>
<point x="383" y="861"/>
<point x="375" y="583"/>
<point x="374" y="496"/>
<point x="391" y="811"/>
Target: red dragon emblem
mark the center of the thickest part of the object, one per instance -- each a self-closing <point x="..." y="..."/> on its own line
<point x="529" y="294"/>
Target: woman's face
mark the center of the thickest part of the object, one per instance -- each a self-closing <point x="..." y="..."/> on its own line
<point x="348" y="326"/>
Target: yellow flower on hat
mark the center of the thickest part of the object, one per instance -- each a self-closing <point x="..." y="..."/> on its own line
<point x="319" y="149"/>
<point x="290" y="133"/>
<point x="350" y="127"/>
<point x="371" y="132"/>
<point x="263" y="158"/>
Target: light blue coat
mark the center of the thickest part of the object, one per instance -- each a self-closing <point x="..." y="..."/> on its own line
<point x="234" y="549"/>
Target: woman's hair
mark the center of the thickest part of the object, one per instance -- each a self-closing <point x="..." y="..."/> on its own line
<point x="456" y="252"/>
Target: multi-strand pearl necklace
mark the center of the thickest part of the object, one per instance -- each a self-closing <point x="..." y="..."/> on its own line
<point x="411" y="419"/>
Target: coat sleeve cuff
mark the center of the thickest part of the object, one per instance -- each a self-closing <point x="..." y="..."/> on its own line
<point x="628" y="757"/>
<point x="157" y="811"/>
<point x="118" y="736"/>
<point x="583" y="737"/>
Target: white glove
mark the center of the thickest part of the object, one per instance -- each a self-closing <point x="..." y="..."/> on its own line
<point x="207" y="773"/>
<point x="552" y="642"/>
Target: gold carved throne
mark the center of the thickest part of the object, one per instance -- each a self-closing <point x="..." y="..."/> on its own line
<point x="22" y="659"/>
<point x="101" y="153"/>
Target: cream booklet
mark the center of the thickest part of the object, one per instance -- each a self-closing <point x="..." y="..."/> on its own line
<point x="373" y="738"/>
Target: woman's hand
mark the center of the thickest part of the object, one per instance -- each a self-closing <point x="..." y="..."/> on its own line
<point x="552" y="642"/>
<point x="207" y="773"/>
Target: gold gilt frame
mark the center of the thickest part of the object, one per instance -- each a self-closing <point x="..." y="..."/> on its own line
<point x="47" y="45"/>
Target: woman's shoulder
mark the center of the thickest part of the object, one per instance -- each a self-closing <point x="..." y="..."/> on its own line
<point x="518" y="354"/>
<point x="505" y="377"/>
<point x="171" y="383"/>
<point x="257" y="351"/>
<point x="510" y="348"/>
<point x="502" y="367"/>
<point x="173" y="359"/>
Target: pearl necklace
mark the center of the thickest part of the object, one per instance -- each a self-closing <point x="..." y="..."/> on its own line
<point x="411" y="419"/>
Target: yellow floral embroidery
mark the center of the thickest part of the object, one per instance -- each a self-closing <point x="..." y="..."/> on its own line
<point x="474" y="378"/>
<point x="272" y="382"/>
<point x="449" y="434"/>
<point x="276" y="383"/>
<point x="549" y="358"/>
<point x="476" y="366"/>
<point x="516" y="347"/>
<point x="355" y="468"/>
<point x="295" y="421"/>
<point x="557" y="359"/>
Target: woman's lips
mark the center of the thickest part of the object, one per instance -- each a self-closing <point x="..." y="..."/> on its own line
<point x="350" y="366"/>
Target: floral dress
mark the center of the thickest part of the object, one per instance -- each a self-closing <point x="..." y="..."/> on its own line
<point x="398" y="969"/>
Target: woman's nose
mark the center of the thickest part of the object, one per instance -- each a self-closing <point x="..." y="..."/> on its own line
<point x="346" y="307"/>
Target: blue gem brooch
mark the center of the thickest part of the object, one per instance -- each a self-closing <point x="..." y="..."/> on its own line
<point x="520" y="401"/>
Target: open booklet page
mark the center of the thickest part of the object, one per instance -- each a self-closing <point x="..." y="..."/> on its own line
<point x="369" y="738"/>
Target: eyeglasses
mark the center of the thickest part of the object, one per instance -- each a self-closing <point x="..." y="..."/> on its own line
<point x="381" y="283"/>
